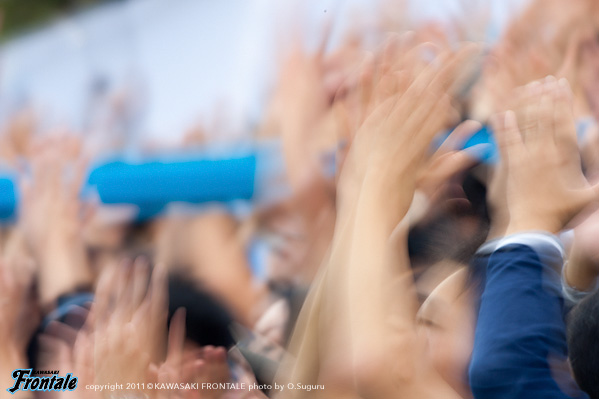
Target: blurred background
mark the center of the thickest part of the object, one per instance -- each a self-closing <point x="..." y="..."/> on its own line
<point x="206" y="137"/>
<point x="177" y="63"/>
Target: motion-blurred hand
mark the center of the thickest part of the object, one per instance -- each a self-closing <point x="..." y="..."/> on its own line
<point x="14" y="291"/>
<point x="545" y="186"/>
<point x="130" y="322"/>
<point x="50" y="216"/>
<point x="413" y="104"/>
<point x="446" y="163"/>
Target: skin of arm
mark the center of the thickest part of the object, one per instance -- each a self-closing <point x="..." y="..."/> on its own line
<point x="521" y="330"/>
<point x="218" y="258"/>
<point x="307" y="127"/>
<point x="361" y="315"/>
<point x="50" y="219"/>
<point x="582" y="270"/>
<point x="302" y="102"/>
<point x="67" y="255"/>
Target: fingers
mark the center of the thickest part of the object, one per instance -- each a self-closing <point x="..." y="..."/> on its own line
<point x="385" y="88"/>
<point x="62" y="331"/>
<point x="544" y="116"/>
<point x="415" y="107"/>
<point x="422" y="81"/>
<point x="54" y="353"/>
<point x="512" y="134"/>
<point x="416" y="58"/>
<point x="507" y="134"/>
<point x="432" y="126"/>
<point x="391" y="52"/>
<point x="447" y="76"/>
<point x="526" y="107"/>
<point x="158" y="292"/>
<point x="90" y="321"/>
<point x="216" y="362"/>
<point x="361" y="82"/>
<point x="428" y="92"/>
<point x="83" y="354"/>
<point x="141" y="270"/>
<point x="564" y="124"/>
<point x="456" y="163"/>
<point x="540" y="116"/>
<point x="103" y="297"/>
<point x="176" y="339"/>
<point x="325" y="39"/>
<point x="459" y="136"/>
<point x="121" y="292"/>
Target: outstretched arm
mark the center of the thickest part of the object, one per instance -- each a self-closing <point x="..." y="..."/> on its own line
<point x="357" y="333"/>
<point x="520" y="343"/>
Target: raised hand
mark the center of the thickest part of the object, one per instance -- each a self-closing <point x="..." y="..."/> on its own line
<point x="50" y="218"/>
<point x="545" y="186"/>
<point x="413" y="105"/>
<point x="176" y="368"/>
<point x="62" y="347"/>
<point x="130" y="323"/>
<point x="447" y="162"/>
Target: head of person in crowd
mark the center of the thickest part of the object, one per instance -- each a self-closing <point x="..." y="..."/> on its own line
<point x="207" y="321"/>
<point x="448" y="281"/>
<point x="583" y="349"/>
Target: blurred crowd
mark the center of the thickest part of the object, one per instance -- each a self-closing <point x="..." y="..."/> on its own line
<point x="437" y="238"/>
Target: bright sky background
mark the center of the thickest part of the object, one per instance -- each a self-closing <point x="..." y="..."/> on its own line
<point x="186" y="56"/>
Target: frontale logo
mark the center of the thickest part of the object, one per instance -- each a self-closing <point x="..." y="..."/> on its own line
<point x="24" y="381"/>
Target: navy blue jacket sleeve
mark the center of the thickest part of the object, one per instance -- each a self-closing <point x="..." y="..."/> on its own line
<point x="520" y="340"/>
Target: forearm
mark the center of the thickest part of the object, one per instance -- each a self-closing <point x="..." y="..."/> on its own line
<point x="218" y="260"/>
<point x="301" y="163"/>
<point x="323" y="332"/>
<point x="320" y="340"/>
<point x="382" y="301"/>
<point x="363" y="300"/>
<point x="63" y="269"/>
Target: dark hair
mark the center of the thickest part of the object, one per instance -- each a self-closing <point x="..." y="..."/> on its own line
<point x="437" y="239"/>
<point x="583" y="348"/>
<point x="207" y="321"/>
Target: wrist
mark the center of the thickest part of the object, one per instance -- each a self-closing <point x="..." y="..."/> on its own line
<point x="391" y="201"/>
<point x="62" y="269"/>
